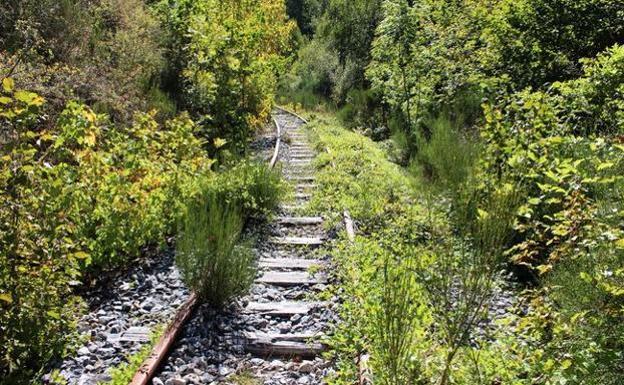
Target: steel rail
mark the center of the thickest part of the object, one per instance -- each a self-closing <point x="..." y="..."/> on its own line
<point x="292" y="113"/>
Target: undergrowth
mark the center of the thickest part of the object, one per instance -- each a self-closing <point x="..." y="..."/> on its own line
<point x="405" y="242"/>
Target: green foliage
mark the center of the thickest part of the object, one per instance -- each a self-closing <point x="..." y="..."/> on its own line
<point x="255" y="187"/>
<point x="428" y="55"/>
<point x="89" y="179"/>
<point x="334" y="61"/>
<point x="539" y="188"/>
<point x="226" y="55"/>
<point x="306" y="13"/>
<point x="77" y="195"/>
<point x="311" y="77"/>
<point x="397" y="319"/>
<point x="39" y="259"/>
<point x="352" y="166"/>
<point x="447" y="157"/>
<point x="391" y="272"/>
<point x="589" y="104"/>
<point x="569" y="220"/>
<point x="348" y="26"/>
<point x="106" y="53"/>
<point x="539" y="41"/>
<point x="213" y="261"/>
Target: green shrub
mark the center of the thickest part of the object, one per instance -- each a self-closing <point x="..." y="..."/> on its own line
<point x="253" y="186"/>
<point x="212" y="261"/>
<point x="225" y="56"/>
<point x="351" y="166"/>
<point x="397" y="321"/>
<point x="447" y="156"/>
<point x="75" y="49"/>
<point x="39" y="255"/>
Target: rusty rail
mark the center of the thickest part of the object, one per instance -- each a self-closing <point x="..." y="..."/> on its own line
<point x="144" y="375"/>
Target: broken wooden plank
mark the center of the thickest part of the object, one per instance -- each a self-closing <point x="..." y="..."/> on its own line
<point x="297" y="241"/>
<point x="304" y="186"/>
<point x="300" y="220"/>
<point x="302" y="178"/>
<point x="282" y="308"/>
<point x="295" y="337"/>
<point x="267" y="348"/>
<point x="289" y="263"/>
<point x="350" y="228"/>
<point x="135" y="334"/>
<point x="290" y="278"/>
<point x="290" y="207"/>
<point x="365" y="372"/>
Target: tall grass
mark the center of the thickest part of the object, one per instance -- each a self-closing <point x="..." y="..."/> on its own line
<point x="213" y="262"/>
<point x="447" y="155"/>
<point x="461" y="278"/>
<point x="397" y="321"/>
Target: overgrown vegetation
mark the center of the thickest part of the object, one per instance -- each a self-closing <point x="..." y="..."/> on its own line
<point x="503" y="120"/>
<point x="110" y="113"/>
<point x="508" y="115"/>
<point x="418" y="282"/>
<point x="214" y="261"/>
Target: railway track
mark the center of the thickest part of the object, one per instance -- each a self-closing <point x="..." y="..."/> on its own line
<point x="274" y="334"/>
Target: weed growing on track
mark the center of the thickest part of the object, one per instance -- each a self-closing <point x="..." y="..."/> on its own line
<point x="409" y="268"/>
<point x="215" y="263"/>
<point x="212" y="261"/>
<point x="123" y="374"/>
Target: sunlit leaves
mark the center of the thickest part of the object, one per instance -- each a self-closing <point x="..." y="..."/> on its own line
<point x="7" y="85"/>
<point x="79" y="195"/>
<point x="231" y="52"/>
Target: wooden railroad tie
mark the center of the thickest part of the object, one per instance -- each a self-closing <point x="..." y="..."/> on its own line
<point x="282" y="308"/>
<point x="289" y="263"/>
<point x="290" y="278"/>
<point x="297" y="241"/>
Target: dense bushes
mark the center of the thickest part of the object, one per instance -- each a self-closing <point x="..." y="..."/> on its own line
<point x="107" y="53"/>
<point x="226" y="56"/>
<point x="212" y="261"/>
<point x="422" y="57"/>
<point x="344" y="31"/>
<point x="414" y="288"/>
<point x="511" y="114"/>
<point x="97" y="168"/>
<point x="80" y="194"/>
